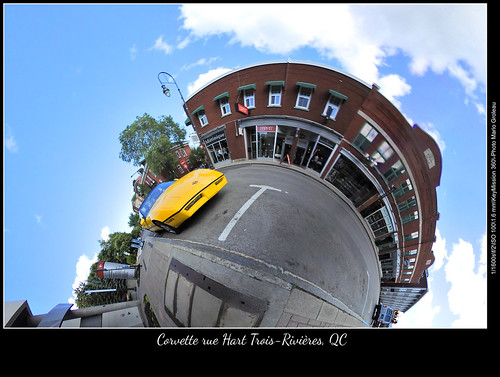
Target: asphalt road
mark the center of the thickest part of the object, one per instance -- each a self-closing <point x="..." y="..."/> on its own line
<point x="276" y="217"/>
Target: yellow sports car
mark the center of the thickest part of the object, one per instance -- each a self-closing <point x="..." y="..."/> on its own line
<point x="169" y="204"/>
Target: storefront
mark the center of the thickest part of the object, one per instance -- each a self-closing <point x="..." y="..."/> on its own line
<point x="351" y="181"/>
<point x="217" y="147"/>
<point x="313" y="147"/>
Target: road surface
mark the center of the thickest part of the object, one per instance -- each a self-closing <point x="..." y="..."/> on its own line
<point x="269" y="216"/>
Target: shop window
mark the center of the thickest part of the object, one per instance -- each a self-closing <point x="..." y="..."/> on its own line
<point x="217" y="147"/>
<point x="351" y="181"/>
<point x="379" y="221"/>
<point x="332" y="107"/>
<point x="304" y="98"/>
<point x="365" y="137"/>
<point x="265" y="141"/>
<point x="275" y="95"/>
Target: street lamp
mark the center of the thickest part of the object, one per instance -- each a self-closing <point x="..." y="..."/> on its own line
<point x="166" y="91"/>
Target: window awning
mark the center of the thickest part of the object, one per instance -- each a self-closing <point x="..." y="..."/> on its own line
<point x="337" y="94"/>
<point x="220" y="96"/>
<point x="249" y="86"/>
<point x="275" y="83"/>
<point x="187" y="122"/>
<point x="198" y="109"/>
<point x="306" y="85"/>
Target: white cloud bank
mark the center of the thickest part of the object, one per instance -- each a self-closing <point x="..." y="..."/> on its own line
<point x="83" y="266"/>
<point x="467" y="295"/>
<point x="434" y="37"/>
<point x="82" y="273"/>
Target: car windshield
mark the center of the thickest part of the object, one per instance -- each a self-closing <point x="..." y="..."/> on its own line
<point x="152" y="197"/>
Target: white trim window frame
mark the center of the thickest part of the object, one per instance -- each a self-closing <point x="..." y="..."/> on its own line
<point x="202" y="118"/>
<point x="303" y="98"/>
<point x="334" y="102"/>
<point x="249" y="98"/>
<point x="225" y="108"/>
<point x="275" y="93"/>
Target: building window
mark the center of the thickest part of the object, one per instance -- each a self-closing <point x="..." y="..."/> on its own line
<point x="407" y="204"/>
<point x="180" y="169"/>
<point x="365" y="137"/>
<point x="411" y="252"/>
<point x="332" y="106"/>
<point x="177" y="154"/>
<point x="203" y="118"/>
<point x="304" y="98"/>
<point x="410" y="217"/>
<point x="402" y="189"/>
<point x="217" y="147"/>
<point x="225" y="108"/>
<point x="395" y="171"/>
<point x="275" y="95"/>
<point x="384" y="151"/>
<point x="249" y="98"/>
<point x="183" y="152"/>
<point x="351" y="181"/>
<point x="411" y="236"/>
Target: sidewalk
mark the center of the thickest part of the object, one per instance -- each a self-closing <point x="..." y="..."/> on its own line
<point x="193" y="286"/>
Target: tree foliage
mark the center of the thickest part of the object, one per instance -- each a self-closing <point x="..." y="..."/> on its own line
<point x="197" y="157"/>
<point x="116" y="249"/>
<point x="151" y="140"/>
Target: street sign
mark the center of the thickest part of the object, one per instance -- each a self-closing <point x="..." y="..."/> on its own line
<point x="241" y="109"/>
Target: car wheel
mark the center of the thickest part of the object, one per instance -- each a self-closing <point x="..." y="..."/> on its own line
<point x="166" y="227"/>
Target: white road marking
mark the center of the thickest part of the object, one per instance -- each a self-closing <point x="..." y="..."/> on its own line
<point x="243" y="209"/>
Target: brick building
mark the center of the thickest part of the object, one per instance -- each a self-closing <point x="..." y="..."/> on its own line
<point x="345" y="132"/>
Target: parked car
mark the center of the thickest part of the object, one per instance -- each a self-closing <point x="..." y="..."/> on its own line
<point x="169" y="204"/>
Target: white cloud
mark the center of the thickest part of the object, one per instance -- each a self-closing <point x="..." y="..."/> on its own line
<point x="133" y="52"/>
<point x="161" y="45"/>
<point x="38" y="219"/>
<point x="360" y="37"/>
<point x="467" y="296"/>
<point x="440" y="253"/>
<point x="205" y="78"/>
<point x="105" y="233"/>
<point x="422" y="314"/>
<point x="10" y="140"/>
<point x="202" y="61"/>
<point x="434" y="133"/>
<point x="82" y="273"/>
<point x="392" y="86"/>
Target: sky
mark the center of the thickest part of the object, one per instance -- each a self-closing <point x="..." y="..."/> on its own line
<point x="75" y="76"/>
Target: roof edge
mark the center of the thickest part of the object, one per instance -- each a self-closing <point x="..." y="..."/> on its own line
<point x="290" y="61"/>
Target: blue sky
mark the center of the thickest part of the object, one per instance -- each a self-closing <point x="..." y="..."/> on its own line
<point x="76" y="75"/>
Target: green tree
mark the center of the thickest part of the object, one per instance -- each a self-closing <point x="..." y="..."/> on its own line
<point x="116" y="249"/>
<point x="152" y="140"/>
<point x="197" y="157"/>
